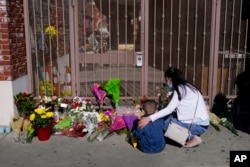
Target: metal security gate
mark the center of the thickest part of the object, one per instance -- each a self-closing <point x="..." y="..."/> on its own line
<point x="164" y="33"/>
<point x="109" y="45"/>
<point x="73" y="44"/>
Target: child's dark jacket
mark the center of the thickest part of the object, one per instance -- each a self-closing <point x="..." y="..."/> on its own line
<point x="151" y="138"/>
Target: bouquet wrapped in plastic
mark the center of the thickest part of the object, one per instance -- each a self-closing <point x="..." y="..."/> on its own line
<point x="118" y="123"/>
<point x="99" y="94"/>
<point x="112" y="87"/>
<point x="131" y="121"/>
<point x="16" y="126"/>
<point x="28" y="131"/>
<point x="96" y="125"/>
<point x="90" y="120"/>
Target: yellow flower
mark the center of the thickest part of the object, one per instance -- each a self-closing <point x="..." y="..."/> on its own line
<point x="32" y="117"/>
<point x="49" y="114"/>
<point x="39" y="111"/>
<point x="51" y="30"/>
<point x="43" y="116"/>
<point x="103" y="117"/>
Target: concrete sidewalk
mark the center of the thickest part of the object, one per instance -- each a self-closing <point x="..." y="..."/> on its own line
<point x="115" y="151"/>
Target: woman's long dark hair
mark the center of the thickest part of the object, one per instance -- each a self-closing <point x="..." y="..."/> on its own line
<point x="178" y="80"/>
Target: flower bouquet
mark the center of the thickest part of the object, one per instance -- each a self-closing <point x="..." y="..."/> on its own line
<point x="41" y="117"/>
<point x="118" y="123"/>
<point x="99" y="94"/>
<point x="104" y="125"/>
<point x="164" y="97"/>
<point x="131" y="120"/>
<point x="72" y="124"/>
<point x="128" y="118"/>
<point x="96" y="124"/>
<point x="16" y="126"/>
<point x="25" y="103"/>
<point x="28" y="132"/>
<point x="226" y="123"/>
<point x="42" y="121"/>
<point x="91" y="120"/>
<point x="112" y="88"/>
<point x="75" y="116"/>
<point x="22" y="130"/>
<point x="51" y="102"/>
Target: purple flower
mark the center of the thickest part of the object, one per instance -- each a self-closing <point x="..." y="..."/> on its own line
<point x="130" y="120"/>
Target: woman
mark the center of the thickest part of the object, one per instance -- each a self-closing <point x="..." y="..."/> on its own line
<point x="186" y="107"/>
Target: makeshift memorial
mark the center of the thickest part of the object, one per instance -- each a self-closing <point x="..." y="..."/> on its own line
<point x="79" y="116"/>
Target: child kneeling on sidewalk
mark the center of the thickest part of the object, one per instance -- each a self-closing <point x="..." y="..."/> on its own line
<point x="150" y="138"/>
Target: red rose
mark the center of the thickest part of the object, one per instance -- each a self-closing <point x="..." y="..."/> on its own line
<point x="25" y="94"/>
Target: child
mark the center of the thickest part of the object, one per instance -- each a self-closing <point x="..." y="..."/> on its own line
<point x="150" y="138"/>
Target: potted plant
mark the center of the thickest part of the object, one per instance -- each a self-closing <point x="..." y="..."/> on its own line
<point x="25" y="103"/>
<point x="42" y="121"/>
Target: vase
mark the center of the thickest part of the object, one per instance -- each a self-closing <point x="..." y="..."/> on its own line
<point x="43" y="134"/>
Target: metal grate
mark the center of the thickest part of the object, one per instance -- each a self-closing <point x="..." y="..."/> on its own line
<point x="98" y="40"/>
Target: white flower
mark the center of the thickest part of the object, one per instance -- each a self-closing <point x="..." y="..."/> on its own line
<point x="91" y="120"/>
<point x="47" y="99"/>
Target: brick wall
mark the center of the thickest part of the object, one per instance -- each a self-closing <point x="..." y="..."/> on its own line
<point x="13" y="63"/>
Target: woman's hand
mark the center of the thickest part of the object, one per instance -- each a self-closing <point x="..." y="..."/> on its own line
<point x="143" y="122"/>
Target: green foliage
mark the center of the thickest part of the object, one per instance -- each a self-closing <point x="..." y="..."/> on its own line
<point x="112" y="87"/>
<point x="25" y="103"/>
<point x="226" y="123"/>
